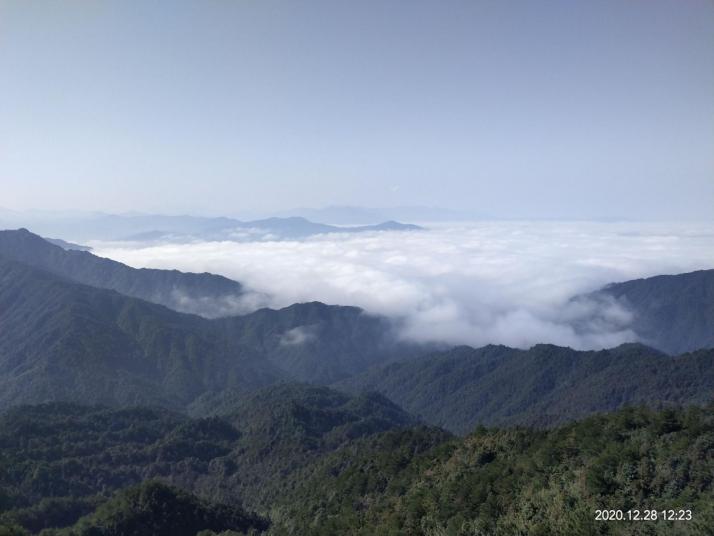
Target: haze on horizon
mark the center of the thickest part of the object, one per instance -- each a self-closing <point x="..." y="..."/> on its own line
<point x="520" y="109"/>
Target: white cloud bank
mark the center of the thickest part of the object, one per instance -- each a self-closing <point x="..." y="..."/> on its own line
<point x="473" y="283"/>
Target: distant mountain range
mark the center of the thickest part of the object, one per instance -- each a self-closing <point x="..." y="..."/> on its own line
<point x="294" y="228"/>
<point x="152" y="227"/>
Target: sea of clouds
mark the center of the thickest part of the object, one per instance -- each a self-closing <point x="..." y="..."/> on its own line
<point x="473" y="283"/>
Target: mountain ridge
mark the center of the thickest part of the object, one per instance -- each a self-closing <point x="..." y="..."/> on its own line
<point x="674" y="313"/>
<point x="101" y="226"/>
<point x="206" y="294"/>
<point x="544" y="386"/>
<point x="274" y="228"/>
<point x="63" y="340"/>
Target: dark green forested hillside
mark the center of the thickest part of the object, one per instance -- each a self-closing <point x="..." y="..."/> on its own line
<point x="61" y="340"/>
<point x="298" y="423"/>
<point x="223" y="431"/>
<point x="155" y="509"/>
<point x="317" y="343"/>
<point x="60" y="461"/>
<point x="674" y="313"/>
<point x="206" y="294"/>
<point x="515" y="482"/>
<point x="543" y="386"/>
<point x="92" y="471"/>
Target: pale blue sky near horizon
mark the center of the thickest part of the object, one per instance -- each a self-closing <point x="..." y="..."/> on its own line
<point x="563" y="108"/>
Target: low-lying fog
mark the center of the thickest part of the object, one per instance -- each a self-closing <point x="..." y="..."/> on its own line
<point x="471" y="283"/>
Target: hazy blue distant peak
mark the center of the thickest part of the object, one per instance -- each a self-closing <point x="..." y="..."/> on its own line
<point x="140" y="227"/>
<point x="274" y="228"/>
<point x="392" y="225"/>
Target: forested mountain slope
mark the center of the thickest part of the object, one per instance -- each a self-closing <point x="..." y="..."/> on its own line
<point x="157" y="509"/>
<point x="505" y="482"/>
<point x="60" y="461"/>
<point x="63" y="341"/>
<point x="543" y="386"/>
<point x="62" y="465"/>
<point x="204" y="294"/>
<point x="674" y="313"/>
<point x="319" y="343"/>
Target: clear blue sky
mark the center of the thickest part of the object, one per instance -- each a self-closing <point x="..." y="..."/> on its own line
<point x="514" y="108"/>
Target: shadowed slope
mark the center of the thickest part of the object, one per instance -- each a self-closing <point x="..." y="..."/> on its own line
<point x="674" y="313"/>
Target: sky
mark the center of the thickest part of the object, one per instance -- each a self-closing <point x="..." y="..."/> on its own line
<point x="519" y="109"/>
